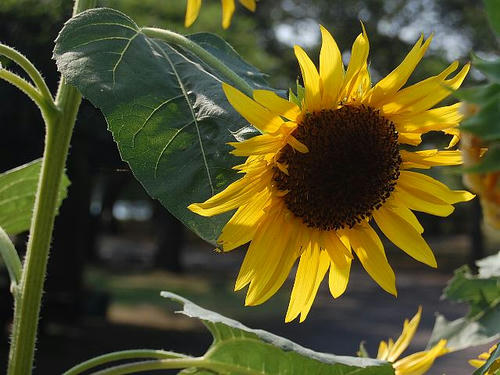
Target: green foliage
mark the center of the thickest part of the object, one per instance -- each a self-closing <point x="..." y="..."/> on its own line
<point x="493" y="12"/>
<point x="486" y="123"/>
<point x="491" y="69"/>
<point x="246" y="350"/>
<point x="17" y="196"/>
<point x="482" y="293"/>
<point x="483" y="370"/>
<point x="10" y="257"/>
<point x="165" y="107"/>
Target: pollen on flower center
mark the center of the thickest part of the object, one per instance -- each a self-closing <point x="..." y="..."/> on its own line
<point x="351" y="168"/>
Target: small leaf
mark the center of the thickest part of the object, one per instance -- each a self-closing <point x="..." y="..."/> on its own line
<point x="239" y="347"/>
<point x="478" y="94"/>
<point x="490" y="162"/>
<point x="10" y="257"/>
<point x="490" y="69"/>
<point x="485" y="124"/>
<point x="17" y="196"/>
<point x="165" y="107"/>
<point x="493" y="12"/>
<point x="482" y="293"/>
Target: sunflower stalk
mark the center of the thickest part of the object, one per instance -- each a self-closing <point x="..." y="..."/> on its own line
<point x="181" y="41"/>
<point x="59" y="128"/>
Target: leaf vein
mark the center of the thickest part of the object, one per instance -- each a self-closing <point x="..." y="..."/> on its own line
<point x="121" y="56"/>
<point x="100" y="40"/>
<point x="181" y="84"/>
<point x="154" y="110"/>
<point x="168" y="144"/>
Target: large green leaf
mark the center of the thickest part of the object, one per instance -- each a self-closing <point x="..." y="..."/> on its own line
<point x="165" y="107"/>
<point x="482" y="293"/>
<point x="247" y="350"/>
<point x="17" y="196"/>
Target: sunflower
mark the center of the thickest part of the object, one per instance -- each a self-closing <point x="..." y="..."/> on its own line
<point x="416" y="363"/>
<point x="327" y="163"/>
<point x="483" y="357"/>
<point x="228" y="7"/>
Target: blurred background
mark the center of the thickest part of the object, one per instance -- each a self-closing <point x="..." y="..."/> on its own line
<point x="115" y="249"/>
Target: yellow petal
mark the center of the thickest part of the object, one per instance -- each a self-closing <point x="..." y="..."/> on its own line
<point x="433" y="119"/>
<point x="297" y="145"/>
<point x="371" y="254"/>
<point x="410" y="99"/>
<point x="455" y="132"/>
<point x="275" y="270"/>
<point x="413" y="139"/>
<point x="419" y="363"/>
<point x="338" y="252"/>
<point x="339" y="278"/>
<point x="430" y="186"/>
<point x="310" y="76"/>
<point x="311" y="270"/>
<point x="227" y="12"/>
<point x="241" y="228"/>
<point x="403" y="234"/>
<point x="383" y="351"/>
<point x="441" y="92"/>
<point x="192" y="11"/>
<point x="259" y="248"/>
<point x="357" y="68"/>
<point x="430" y="158"/>
<point x="237" y="194"/>
<point x="253" y="112"/>
<point x="423" y="202"/>
<point x="249" y="4"/>
<point x="476" y="363"/>
<point x="398" y="77"/>
<point x="258" y="145"/>
<point x="277" y="104"/>
<point x="331" y="69"/>
<point x="409" y="329"/>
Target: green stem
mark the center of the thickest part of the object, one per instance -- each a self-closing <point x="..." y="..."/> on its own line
<point x="204" y="55"/>
<point x="29" y="68"/>
<point x="27" y="307"/>
<point x="25" y="87"/>
<point x="118" y="356"/>
<point x="180" y="363"/>
<point x="10" y="258"/>
<point x="164" y="364"/>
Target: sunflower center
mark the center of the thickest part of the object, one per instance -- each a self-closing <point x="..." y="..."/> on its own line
<point x="351" y="168"/>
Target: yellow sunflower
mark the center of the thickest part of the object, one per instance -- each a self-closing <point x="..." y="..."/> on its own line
<point x="483" y="357"/>
<point x="324" y="167"/>
<point x="228" y="7"/>
<point x="417" y="363"/>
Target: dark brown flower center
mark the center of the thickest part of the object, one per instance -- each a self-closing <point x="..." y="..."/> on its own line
<point x="351" y="168"/>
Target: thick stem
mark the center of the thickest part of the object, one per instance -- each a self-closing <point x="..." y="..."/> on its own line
<point x="27" y="308"/>
<point x="59" y="130"/>
<point x="122" y="355"/>
<point x="204" y="55"/>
